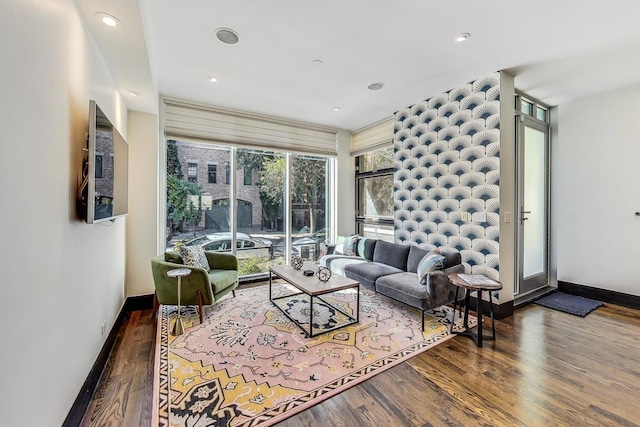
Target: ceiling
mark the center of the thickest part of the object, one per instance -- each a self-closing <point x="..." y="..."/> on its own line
<point x="558" y="51"/>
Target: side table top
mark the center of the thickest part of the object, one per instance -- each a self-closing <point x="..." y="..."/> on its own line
<point x="179" y="272"/>
<point x="458" y="281"/>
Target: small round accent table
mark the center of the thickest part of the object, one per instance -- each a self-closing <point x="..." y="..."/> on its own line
<point x="480" y="284"/>
<point x="178" y="327"/>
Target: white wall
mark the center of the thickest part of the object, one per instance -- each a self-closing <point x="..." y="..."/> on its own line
<point x="346" y="200"/>
<point x="596" y="191"/>
<point x="61" y="278"/>
<point x="142" y="222"/>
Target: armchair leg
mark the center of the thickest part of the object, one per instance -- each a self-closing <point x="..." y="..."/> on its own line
<point x="200" y="307"/>
<point x="156" y="305"/>
<point x="233" y="292"/>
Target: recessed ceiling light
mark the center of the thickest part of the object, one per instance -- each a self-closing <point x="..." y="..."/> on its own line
<point x="227" y="35"/>
<point x="134" y="93"/>
<point x="462" y="37"/>
<point x="108" y="20"/>
<point x="375" y="86"/>
<point x="337" y="108"/>
<point x="212" y="79"/>
<point x="317" y="62"/>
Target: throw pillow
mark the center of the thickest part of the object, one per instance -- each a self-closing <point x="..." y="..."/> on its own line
<point x="431" y="261"/>
<point x="194" y="256"/>
<point x="349" y="244"/>
<point x="339" y="249"/>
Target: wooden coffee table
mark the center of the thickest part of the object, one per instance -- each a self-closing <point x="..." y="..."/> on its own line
<point x="314" y="289"/>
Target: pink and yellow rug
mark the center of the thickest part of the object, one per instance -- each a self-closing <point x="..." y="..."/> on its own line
<point x="249" y="365"/>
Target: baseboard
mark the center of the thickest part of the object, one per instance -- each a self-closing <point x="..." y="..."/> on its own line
<point x="80" y="405"/>
<point x="500" y="311"/>
<point x="604" y="295"/>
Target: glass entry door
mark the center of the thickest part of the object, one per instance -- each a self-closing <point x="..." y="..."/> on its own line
<point x="533" y="231"/>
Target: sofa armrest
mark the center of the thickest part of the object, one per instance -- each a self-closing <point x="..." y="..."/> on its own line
<point x="221" y="261"/>
<point x="441" y="290"/>
<point x="330" y="248"/>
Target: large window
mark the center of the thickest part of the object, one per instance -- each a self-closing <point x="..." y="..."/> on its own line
<point x="259" y="223"/>
<point x="374" y="186"/>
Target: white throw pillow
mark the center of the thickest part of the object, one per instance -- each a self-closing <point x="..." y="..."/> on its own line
<point x="194" y="256"/>
<point x="431" y="261"/>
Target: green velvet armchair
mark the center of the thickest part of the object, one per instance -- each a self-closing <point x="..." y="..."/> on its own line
<point x="201" y="287"/>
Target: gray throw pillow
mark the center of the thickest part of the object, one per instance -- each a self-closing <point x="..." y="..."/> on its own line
<point x="430" y="262"/>
<point x="194" y="256"/>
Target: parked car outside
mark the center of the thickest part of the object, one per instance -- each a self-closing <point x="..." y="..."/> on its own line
<point x="311" y="246"/>
<point x="221" y="242"/>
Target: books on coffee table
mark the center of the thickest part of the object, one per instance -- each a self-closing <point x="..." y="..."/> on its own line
<point x="477" y="279"/>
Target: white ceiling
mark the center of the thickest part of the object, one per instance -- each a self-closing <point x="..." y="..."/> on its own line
<point x="558" y="50"/>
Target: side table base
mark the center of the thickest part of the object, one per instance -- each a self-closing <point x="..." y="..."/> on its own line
<point x="178" y="328"/>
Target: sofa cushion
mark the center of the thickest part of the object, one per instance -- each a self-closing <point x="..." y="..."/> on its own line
<point x="349" y="245"/>
<point x="366" y="248"/>
<point x="451" y="258"/>
<point x="368" y="272"/>
<point x="337" y="263"/>
<point x="194" y="256"/>
<point x="416" y="253"/>
<point x="391" y="254"/>
<point x="404" y="287"/>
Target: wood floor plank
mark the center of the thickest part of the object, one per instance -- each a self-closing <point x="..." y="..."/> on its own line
<point x="546" y="368"/>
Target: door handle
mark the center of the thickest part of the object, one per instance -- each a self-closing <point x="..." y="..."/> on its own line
<point x="523" y="218"/>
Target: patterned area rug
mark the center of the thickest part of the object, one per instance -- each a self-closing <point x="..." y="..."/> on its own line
<point x="249" y="365"/>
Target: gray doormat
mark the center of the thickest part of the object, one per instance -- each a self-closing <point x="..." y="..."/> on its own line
<point x="572" y="304"/>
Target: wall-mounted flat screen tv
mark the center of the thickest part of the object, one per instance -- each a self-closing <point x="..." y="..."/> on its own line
<point x="108" y="169"/>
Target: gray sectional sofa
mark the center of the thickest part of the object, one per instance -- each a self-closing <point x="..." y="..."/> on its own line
<point x="390" y="269"/>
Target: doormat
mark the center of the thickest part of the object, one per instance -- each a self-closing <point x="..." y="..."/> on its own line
<point x="571" y="304"/>
<point x="247" y="364"/>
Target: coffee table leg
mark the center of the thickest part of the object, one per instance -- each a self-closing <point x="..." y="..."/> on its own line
<point x="358" y="304"/>
<point x="310" y="316"/>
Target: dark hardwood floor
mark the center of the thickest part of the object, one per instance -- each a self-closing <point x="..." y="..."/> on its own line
<point x="546" y="368"/>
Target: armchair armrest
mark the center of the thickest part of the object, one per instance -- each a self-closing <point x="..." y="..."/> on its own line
<point x="221" y="261"/>
<point x="167" y="289"/>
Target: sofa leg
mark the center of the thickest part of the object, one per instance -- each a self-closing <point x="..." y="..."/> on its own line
<point x="200" y="307"/>
<point x="422" y="320"/>
<point x="233" y="292"/>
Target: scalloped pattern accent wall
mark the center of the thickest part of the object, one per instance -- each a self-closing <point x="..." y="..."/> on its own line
<point x="447" y="164"/>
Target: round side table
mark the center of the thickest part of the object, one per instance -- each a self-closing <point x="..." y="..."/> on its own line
<point x="178" y="327"/>
<point x="484" y="285"/>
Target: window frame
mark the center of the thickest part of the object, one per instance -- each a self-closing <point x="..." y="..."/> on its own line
<point x="361" y="220"/>
<point x="192" y="177"/>
<point x="215" y="173"/>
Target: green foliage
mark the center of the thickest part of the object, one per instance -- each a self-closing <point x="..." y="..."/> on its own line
<point x="252" y="265"/>
<point x="174" y="167"/>
<point x="179" y="207"/>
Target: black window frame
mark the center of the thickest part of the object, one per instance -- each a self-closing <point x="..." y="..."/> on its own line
<point x="212" y="173"/>
<point x="361" y="220"/>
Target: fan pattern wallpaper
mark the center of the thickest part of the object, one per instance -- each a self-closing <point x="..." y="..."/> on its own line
<point x="447" y="166"/>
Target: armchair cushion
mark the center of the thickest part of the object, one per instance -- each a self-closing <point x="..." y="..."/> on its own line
<point x="194" y="256"/>
<point x="222" y="279"/>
